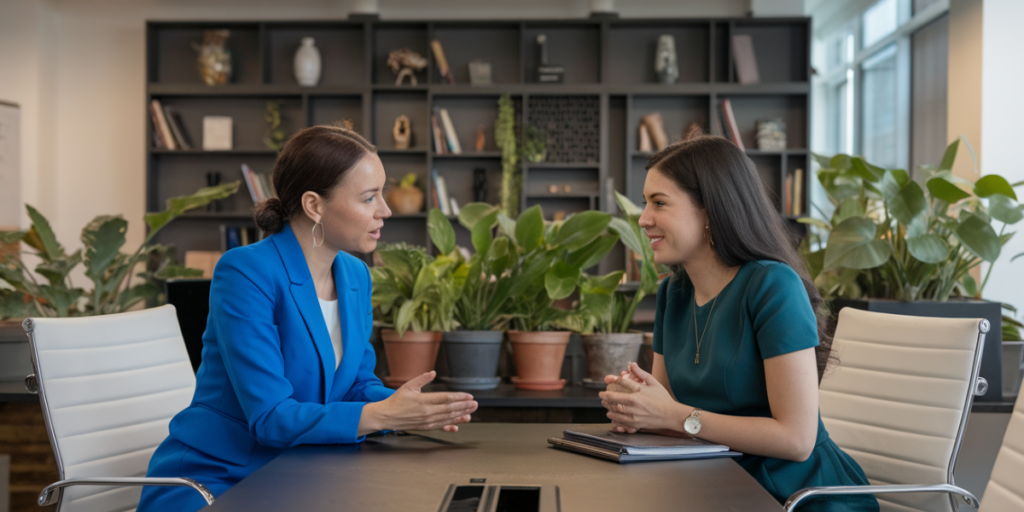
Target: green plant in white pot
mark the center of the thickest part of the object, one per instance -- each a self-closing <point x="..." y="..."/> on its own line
<point x="415" y="296"/>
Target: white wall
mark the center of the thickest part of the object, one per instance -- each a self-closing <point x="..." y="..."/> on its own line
<point x="1002" y="111"/>
<point x="77" y="69"/>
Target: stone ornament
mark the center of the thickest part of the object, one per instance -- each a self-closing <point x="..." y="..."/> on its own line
<point x="402" y="132"/>
<point x="307" y="63"/>
<point x="771" y="135"/>
<point x="665" y="63"/>
<point x="214" y="59"/>
<point x="405" y="63"/>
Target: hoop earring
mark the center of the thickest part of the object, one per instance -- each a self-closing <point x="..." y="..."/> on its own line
<point x="707" y="235"/>
<point x="313" y="234"/>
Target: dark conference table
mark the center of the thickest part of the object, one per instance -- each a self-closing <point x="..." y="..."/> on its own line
<point x="414" y="472"/>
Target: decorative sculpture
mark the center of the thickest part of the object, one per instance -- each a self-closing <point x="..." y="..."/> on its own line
<point x="665" y="64"/>
<point x="405" y="62"/>
<point x="771" y="135"/>
<point x="402" y="132"/>
<point x="480" y="185"/>
<point x="481" y="139"/>
<point x="548" y="73"/>
<point x="307" y="63"/>
<point x="214" y="59"/>
<point x="656" y="128"/>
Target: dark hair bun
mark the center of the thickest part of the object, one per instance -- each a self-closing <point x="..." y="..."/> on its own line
<point x="270" y="216"/>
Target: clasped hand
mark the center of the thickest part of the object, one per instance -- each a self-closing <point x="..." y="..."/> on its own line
<point x="412" y="409"/>
<point x="636" y="400"/>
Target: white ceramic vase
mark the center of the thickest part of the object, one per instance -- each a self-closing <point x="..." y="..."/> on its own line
<point x="307" y="63"/>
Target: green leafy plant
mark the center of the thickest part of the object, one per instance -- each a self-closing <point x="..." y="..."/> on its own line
<point x="276" y="136"/>
<point x="49" y="290"/>
<point x="535" y="144"/>
<point x="505" y="139"/>
<point x="484" y="280"/>
<point x="414" y="291"/>
<point x="892" y="238"/>
<point x="548" y="264"/>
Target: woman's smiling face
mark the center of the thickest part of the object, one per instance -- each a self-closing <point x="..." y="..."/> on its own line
<point x="672" y="220"/>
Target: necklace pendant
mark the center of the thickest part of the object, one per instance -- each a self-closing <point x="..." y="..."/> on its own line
<point x="696" y="360"/>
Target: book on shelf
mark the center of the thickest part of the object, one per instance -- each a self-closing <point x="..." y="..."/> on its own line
<point x="441" y="189"/>
<point x="237" y="236"/>
<point x="440" y="145"/>
<point x="449" y="132"/>
<point x="798" y="192"/>
<point x="454" y="206"/>
<point x="203" y="260"/>
<point x="600" y="441"/>
<point x="787" y="204"/>
<point x="259" y="185"/>
<point x="716" y="122"/>
<point x="746" y="62"/>
<point x="730" y="124"/>
<point x="217" y="133"/>
<point x="160" y="122"/>
<point x="443" y="69"/>
<point x="181" y="137"/>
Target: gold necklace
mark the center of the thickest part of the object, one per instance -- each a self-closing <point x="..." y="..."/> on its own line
<point x="696" y="360"/>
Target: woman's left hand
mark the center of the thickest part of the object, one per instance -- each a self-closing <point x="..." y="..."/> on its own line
<point x="648" y="406"/>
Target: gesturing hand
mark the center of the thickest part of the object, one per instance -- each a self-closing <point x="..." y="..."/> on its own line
<point x="636" y="400"/>
<point x="412" y="409"/>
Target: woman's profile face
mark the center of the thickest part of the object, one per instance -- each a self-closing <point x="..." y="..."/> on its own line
<point x="355" y="212"/>
<point x="673" y="222"/>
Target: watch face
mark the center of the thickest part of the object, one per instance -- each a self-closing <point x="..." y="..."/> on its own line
<point x="692" y="425"/>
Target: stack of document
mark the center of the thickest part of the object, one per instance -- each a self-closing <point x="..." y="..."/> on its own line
<point x="601" y="441"/>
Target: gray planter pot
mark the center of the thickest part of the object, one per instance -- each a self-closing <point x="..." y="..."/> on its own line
<point x="15" y="357"/>
<point x="992" y="355"/>
<point x="472" y="359"/>
<point x="609" y="354"/>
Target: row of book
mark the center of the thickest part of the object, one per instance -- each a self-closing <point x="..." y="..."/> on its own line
<point x="442" y="201"/>
<point x="794" y="193"/>
<point x="259" y="185"/>
<point x="723" y="122"/>
<point x="168" y="129"/>
<point x="445" y="140"/>
<point x="231" y="236"/>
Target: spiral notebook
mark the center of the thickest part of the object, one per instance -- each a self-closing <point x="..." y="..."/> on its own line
<point x="600" y="441"/>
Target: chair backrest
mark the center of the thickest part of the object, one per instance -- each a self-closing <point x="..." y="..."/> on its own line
<point x="109" y="386"/>
<point x="1005" y="490"/>
<point x="899" y="399"/>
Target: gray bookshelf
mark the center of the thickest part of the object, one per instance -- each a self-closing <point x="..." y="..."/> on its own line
<point x="608" y="69"/>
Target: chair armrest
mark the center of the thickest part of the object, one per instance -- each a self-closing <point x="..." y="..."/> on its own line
<point x="802" y="494"/>
<point x="49" y="497"/>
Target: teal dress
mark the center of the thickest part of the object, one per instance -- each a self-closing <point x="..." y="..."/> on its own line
<point x="762" y="313"/>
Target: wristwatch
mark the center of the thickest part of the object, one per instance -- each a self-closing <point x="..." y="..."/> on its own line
<point x="692" y="423"/>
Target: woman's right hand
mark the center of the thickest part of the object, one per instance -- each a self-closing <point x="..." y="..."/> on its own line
<point x="412" y="409"/>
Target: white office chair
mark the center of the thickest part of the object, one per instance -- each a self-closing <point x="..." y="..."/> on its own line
<point x="898" y="404"/>
<point x="1005" y="490"/>
<point x="108" y="386"/>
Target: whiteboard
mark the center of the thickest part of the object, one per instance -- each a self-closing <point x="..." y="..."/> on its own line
<point x="10" y="166"/>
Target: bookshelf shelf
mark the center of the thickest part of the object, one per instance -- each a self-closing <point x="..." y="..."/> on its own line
<point x="608" y="64"/>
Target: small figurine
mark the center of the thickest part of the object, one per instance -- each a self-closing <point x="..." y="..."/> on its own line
<point x="406" y="62"/>
<point x="214" y="59"/>
<point x="481" y="139"/>
<point x="480" y="185"/>
<point x="402" y="132"/>
<point x="665" y="63"/>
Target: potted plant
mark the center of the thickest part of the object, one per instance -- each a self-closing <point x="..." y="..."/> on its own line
<point x="48" y="290"/>
<point x="548" y="266"/>
<point x="895" y="246"/>
<point x="604" y="330"/>
<point x="415" y="296"/>
<point x="473" y="350"/>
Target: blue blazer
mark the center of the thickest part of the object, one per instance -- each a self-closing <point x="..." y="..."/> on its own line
<point x="267" y="381"/>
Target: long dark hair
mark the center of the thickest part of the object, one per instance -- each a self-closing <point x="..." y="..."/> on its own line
<point x="744" y="224"/>
<point x="314" y="159"/>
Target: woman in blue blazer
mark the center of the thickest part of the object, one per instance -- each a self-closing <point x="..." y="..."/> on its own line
<point x="286" y="353"/>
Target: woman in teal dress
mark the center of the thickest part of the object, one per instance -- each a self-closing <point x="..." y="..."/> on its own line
<point x="740" y="344"/>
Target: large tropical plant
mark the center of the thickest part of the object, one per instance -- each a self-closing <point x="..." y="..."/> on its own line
<point x="505" y="138"/>
<point x="48" y="290"/>
<point x="484" y="279"/>
<point x="890" y="237"/>
<point x="413" y="290"/>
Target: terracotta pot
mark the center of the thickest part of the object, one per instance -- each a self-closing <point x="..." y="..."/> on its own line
<point x="647" y="352"/>
<point x="538" y="357"/>
<point x="409" y="355"/>
<point x="405" y="200"/>
<point x="609" y="354"/>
